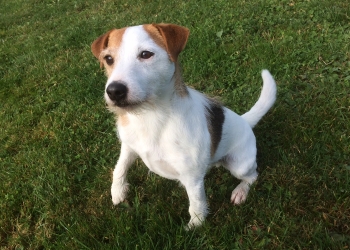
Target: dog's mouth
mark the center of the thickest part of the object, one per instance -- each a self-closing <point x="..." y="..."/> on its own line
<point x="116" y="95"/>
<point x="126" y="104"/>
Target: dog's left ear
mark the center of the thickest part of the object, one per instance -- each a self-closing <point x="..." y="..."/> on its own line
<point x="100" y="44"/>
<point x="175" y="38"/>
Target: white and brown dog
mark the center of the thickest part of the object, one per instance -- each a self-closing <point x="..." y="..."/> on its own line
<point x="178" y="132"/>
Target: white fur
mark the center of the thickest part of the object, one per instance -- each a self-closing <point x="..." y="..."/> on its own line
<point x="170" y="133"/>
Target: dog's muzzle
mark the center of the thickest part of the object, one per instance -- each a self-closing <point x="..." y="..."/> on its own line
<point x="117" y="92"/>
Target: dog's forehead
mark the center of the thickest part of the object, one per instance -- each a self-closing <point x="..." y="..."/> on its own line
<point x="135" y="36"/>
<point x="115" y="38"/>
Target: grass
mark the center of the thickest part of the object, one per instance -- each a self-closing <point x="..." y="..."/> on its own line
<point x="58" y="143"/>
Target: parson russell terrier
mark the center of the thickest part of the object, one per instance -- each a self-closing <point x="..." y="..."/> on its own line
<point x="178" y="132"/>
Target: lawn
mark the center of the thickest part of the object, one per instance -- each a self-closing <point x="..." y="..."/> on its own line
<point x="58" y="144"/>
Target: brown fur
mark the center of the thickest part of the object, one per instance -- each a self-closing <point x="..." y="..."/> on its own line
<point x="123" y="120"/>
<point x="173" y="39"/>
<point x="155" y="35"/>
<point x="112" y="38"/>
<point x="215" y="120"/>
<point x="170" y="36"/>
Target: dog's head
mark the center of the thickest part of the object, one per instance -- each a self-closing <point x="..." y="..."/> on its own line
<point x="140" y="62"/>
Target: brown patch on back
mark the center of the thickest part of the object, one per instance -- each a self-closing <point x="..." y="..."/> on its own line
<point x="215" y="119"/>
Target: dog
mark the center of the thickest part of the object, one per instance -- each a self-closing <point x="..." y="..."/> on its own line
<point x="178" y="132"/>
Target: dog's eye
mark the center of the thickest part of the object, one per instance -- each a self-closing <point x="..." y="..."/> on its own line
<point x="109" y="60"/>
<point x="146" y="54"/>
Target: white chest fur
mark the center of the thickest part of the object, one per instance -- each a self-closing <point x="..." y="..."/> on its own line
<point x="169" y="143"/>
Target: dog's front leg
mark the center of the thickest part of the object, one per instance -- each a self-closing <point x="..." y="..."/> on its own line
<point x="198" y="204"/>
<point x="120" y="185"/>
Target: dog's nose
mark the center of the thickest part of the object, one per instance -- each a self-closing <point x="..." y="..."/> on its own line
<point x="117" y="91"/>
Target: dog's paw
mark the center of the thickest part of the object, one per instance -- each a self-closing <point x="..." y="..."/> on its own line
<point x="118" y="193"/>
<point x="195" y="222"/>
<point x="240" y="193"/>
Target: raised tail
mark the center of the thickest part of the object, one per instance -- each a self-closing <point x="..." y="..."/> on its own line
<point x="265" y="101"/>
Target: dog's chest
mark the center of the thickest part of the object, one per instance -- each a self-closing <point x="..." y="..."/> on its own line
<point x="156" y="147"/>
<point x="158" y="158"/>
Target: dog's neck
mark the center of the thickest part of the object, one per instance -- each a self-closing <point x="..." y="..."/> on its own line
<point x="179" y="85"/>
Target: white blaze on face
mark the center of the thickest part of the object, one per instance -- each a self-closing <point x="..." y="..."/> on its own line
<point x="144" y="78"/>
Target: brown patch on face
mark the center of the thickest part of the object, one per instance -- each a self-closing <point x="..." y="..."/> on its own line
<point x="115" y="38"/>
<point x="121" y="115"/>
<point x="155" y="35"/>
<point x="112" y="53"/>
<point x="100" y="44"/>
<point x="123" y="120"/>
<point x="169" y="36"/>
<point x="111" y="39"/>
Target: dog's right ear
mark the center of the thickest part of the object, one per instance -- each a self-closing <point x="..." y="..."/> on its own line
<point x="100" y="44"/>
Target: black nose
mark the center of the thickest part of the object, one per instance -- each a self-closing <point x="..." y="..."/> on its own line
<point x="117" y="91"/>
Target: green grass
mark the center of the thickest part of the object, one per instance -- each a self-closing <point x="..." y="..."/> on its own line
<point x="58" y="144"/>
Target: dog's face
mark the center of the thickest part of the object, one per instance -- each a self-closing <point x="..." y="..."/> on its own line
<point x="140" y="62"/>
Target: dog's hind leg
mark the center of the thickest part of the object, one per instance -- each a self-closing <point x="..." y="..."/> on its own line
<point x="244" y="170"/>
<point x="120" y="186"/>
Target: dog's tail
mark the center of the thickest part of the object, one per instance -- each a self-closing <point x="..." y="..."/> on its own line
<point x="265" y="101"/>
